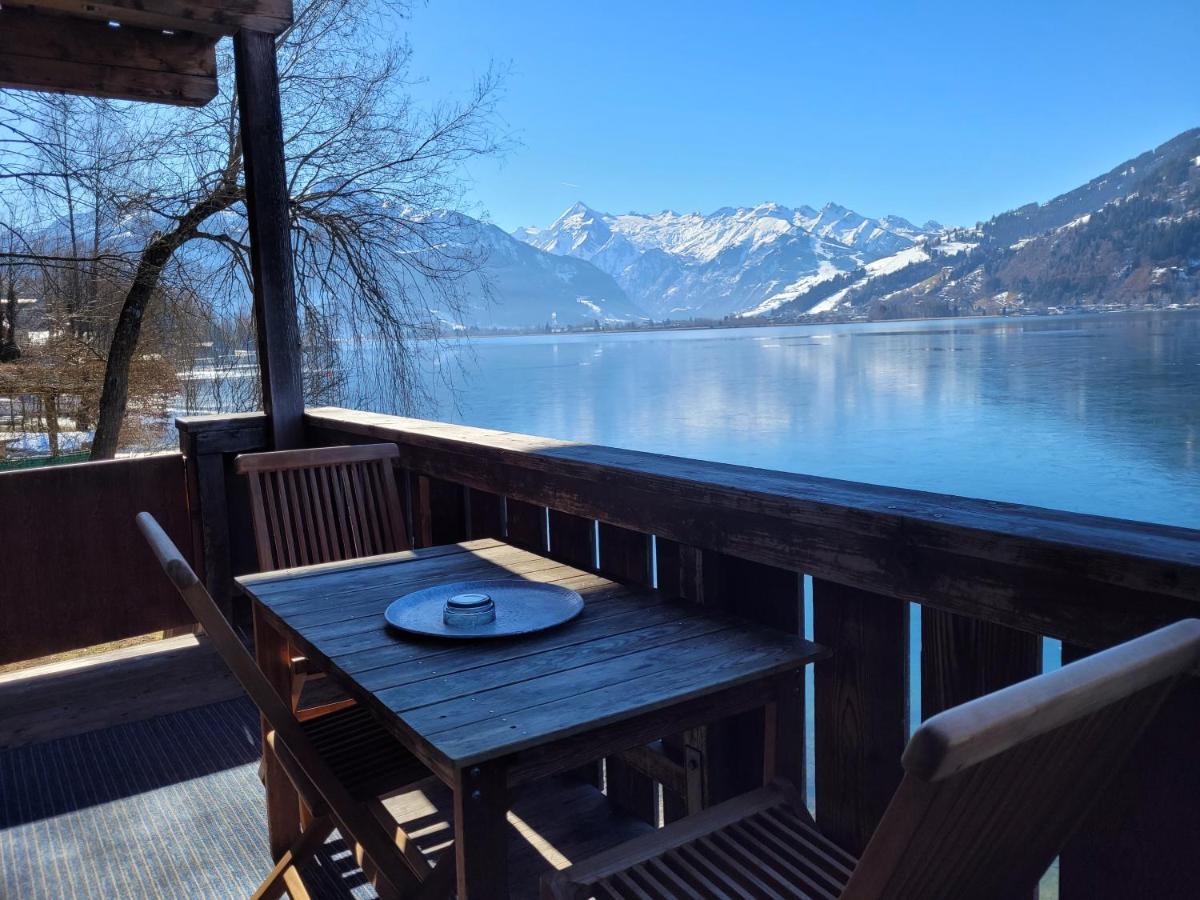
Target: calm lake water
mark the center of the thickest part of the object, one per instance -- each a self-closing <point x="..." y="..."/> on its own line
<point x="1097" y="414"/>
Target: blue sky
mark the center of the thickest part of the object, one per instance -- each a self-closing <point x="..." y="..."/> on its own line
<point x="951" y="111"/>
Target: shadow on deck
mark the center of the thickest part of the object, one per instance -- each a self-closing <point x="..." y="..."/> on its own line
<point x="171" y="804"/>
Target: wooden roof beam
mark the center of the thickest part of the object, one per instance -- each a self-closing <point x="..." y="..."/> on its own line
<point x="44" y="52"/>
<point x="212" y="17"/>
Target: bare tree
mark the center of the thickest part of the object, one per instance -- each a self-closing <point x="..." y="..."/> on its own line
<point x="377" y="266"/>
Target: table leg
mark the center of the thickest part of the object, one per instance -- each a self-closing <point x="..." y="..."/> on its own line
<point x="783" y="740"/>
<point x="481" y="832"/>
<point x="273" y="654"/>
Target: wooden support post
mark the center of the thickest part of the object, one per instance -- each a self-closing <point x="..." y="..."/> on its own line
<point x="268" y="212"/>
<point x="1140" y="839"/>
<point x="861" y="708"/>
<point x="963" y="658"/>
<point x="206" y="443"/>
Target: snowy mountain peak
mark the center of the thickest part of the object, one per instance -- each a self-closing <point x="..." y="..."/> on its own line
<point x="733" y="259"/>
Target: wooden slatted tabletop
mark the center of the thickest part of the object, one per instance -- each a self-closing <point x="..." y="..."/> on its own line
<point x="488" y="715"/>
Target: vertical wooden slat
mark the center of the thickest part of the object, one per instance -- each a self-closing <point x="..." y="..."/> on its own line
<point x="1141" y="838"/>
<point x="358" y="509"/>
<point x="369" y="506"/>
<point x="526" y="524"/>
<point x="348" y="507"/>
<point x="963" y="658"/>
<point x="337" y="522"/>
<point x="279" y="529"/>
<point x="317" y="511"/>
<point x="448" y="512"/>
<point x="572" y="539"/>
<point x="420" y="503"/>
<point x="625" y="555"/>
<point x="375" y="476"/>
<point x="485" y="514"/>
<point x="298" y="513"/>
<point x="861" y="708"/>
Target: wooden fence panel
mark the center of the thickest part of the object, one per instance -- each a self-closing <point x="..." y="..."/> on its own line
<point x="76" y="572"/>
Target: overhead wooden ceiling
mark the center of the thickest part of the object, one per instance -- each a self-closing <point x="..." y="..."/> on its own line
<point x="162" y="51"/>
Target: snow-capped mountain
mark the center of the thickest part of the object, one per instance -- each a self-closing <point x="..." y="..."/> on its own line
<point x="730" y="261"/>
<point x="1128" y="237"/>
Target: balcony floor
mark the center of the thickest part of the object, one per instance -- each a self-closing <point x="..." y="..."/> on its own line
<point x="172" y="806"/>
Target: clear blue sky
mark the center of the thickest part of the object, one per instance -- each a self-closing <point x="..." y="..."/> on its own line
<point x="951" y="111"/>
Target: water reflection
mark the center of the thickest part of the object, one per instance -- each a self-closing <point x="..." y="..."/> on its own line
<point x="1097" y="414"/>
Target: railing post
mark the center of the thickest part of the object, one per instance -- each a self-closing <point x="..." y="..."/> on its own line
<point x="861" y="698"/>
<point x="205" y="442"/>
<point x="964" y="658"/>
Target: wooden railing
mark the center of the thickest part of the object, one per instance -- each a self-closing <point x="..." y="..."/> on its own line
<point x="991" y="578"/>
<point x="72" y="573"/>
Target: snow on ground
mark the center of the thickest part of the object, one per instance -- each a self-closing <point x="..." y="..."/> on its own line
<point x="832" y="302"/>
<point x="35" y="442"/>
<point x="896" y="261"/>
<point x="593" y="308"/>
<point x="953" y="248"/>
<point x="825" y="271"/>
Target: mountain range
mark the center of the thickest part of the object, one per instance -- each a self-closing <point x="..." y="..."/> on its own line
<point x="730" y="261"/>
<point x="1128" y="237"/>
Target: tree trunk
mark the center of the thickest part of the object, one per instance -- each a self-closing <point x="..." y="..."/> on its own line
<point x="50" y="411"/>
<point x="8" y="335"/>
<point x="114" y="396"/>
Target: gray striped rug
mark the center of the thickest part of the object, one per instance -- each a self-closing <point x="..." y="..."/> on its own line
<point x="167" y="807"/>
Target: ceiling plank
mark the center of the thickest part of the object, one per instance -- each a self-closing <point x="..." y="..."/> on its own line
<point x="212" y="17"/>
<point x="81" y="56"/>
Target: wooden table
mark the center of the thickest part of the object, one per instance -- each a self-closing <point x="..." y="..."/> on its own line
<point x="487" y="716"/>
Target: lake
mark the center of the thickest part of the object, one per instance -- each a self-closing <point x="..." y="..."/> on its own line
<point x="1093" y="413"/>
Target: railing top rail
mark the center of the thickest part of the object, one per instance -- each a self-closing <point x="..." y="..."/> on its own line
<point x="1088" y="578"/>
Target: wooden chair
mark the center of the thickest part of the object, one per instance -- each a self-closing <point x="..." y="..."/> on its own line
<point x="339" y="763"/>
<point x="992" y="790"/>
<point x="320" y="505"/>
<point x="324" y="504"/>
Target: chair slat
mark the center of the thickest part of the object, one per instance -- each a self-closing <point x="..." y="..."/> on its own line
<point x="992" y="791"/>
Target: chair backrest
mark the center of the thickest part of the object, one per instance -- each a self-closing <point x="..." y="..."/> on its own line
<point x="324" y="504"/>
<point x="994" y="788"/>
